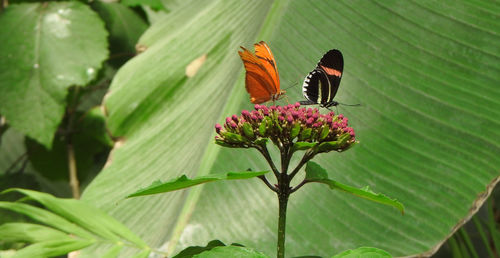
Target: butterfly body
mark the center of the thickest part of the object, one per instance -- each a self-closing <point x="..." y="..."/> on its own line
<point x="262" y="79"/>
<point x="321" y="84"/>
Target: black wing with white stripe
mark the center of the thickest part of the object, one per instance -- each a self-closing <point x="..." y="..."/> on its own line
<point x="321" y="84"/>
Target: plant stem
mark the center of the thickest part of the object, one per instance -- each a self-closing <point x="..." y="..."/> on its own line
<point x="73" y="174"/>
<point x="307" y="156"/>
<point x="265" y="153"/>
<point x="299" y="185"/>
<point x="283" y="194"/>
<point x="264" y="179"/>
<point x="283" y="200"/>
<point x="73" y="178"/>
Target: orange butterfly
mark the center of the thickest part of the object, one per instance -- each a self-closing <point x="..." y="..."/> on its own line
<point x="262" y="79"/>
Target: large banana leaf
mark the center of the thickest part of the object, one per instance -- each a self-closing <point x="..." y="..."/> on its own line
<point x="427" y="76"/>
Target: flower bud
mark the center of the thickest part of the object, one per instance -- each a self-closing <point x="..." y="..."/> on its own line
<point x="299" y="128"/>
<point x="218" y="128"/>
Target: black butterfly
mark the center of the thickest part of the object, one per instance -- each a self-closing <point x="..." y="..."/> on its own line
<point x="322" y="83"/>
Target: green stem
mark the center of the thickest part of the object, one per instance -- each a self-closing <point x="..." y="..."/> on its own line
<point x="283" y="194"/>
<point x="265" y="153"/>
<point x="283" y="200"/>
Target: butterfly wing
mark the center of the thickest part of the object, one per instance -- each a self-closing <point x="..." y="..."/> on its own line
<point x="262" y="79"/>
<point x="263" y="52"/>
<point x="321" y="85"/>
<point x="332" y="65"/>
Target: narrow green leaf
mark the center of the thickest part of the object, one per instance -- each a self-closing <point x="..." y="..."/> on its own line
<point x="468" y="243"/>
<point x="184" y="182"/>
<point x="231" y="251"/>
<point x="455" y="248"/>
<point x="363" y="252"/>
<point x="46" y="48"/>
<point x="485" y="241"/>
<point x="462" y="246"/>
<point x="492" y="225"/>
<point x="142" y="254"/>
<point x="113" y="251"/>
<point x="53" y="248"/>
<point x="86" y="216"/>
<point x="46" y="217"/>
<point x="29" y="233"/>
<point x="315" y="173"/>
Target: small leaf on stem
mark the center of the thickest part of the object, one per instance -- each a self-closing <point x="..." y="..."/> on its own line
<point x="315" y="173"/>
<point x="184" y="182"/>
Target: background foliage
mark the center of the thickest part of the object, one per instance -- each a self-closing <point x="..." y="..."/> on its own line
<point x="426" y="74"/>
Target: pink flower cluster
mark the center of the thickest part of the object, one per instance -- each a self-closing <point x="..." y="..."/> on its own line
<point x="285" y="124"/>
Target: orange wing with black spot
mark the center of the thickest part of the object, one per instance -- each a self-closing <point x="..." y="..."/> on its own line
<point x="262" y="80"/>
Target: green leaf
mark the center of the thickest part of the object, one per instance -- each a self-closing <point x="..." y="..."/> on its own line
<point x="231" y="251"/>
<point x="124" y="26"/>
<point x="295" y="131"/>
<point x="82" y="214"/>
<point x="66" y="225"/>
<point x="29" y="233"/>
<point x="11" y="148"/>
<point x="248" y="131"/>
<point x="315" y="173"/>
<point x="324" y="132"/>
<point x="261" y="141"/>
<point x="46" y="48"/>
<point x="93" y="127"/>
<point x="364" y="252"/>
<point x="154" y="4"/>
<point x="46" y="217"/>
<point x="303" y="145"/>
<point x="425" y="72"/>
<point x="184" y="182"/>
<point x="234" y="138"/>
<point x="113" y="251"/>
<point x="334" y="145"/>
<point x="192" y="250"/>
<point x="305" y="134"/>
<point x="53" y="248"/>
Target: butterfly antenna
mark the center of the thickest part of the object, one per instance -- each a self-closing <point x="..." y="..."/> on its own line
<point x="291" y="86"/>
<point x="350" y="105"/>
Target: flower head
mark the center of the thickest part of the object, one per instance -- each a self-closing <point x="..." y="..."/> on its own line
<point x="289" y="126"/>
